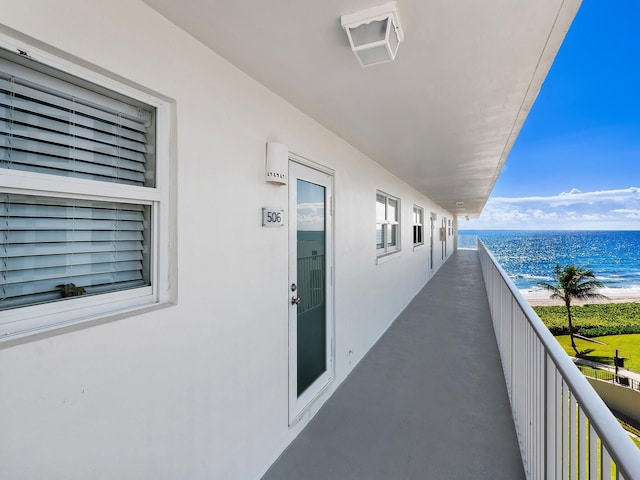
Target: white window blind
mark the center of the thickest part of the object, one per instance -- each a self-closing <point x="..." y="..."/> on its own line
<point x="47" y="243"/>
<point x="47" y="131"/>
<point x="53" y="247"/>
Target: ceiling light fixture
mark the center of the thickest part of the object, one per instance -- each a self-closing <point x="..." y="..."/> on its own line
<point x="374" y="33"/>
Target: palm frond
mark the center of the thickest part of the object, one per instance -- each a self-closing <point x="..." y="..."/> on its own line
<point x="556" y="292"/>
<point x="573" y="282"/>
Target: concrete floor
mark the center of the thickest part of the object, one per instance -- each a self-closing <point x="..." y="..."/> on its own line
<point x="427" y="402"/>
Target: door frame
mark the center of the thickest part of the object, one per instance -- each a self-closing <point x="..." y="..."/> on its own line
<point x="432" y="220"/>
<point x="312" y="172"/>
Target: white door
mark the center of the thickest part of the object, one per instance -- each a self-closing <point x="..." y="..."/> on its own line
<point x="310" y="288"/>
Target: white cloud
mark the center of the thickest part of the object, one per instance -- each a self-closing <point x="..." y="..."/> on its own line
<point x="311" y="216"/>
<point x="594" y="216"/>
<point x="575" y="196"/>
<point x="628" y="212"/>
<point x="617" y="209"/>
<point x="573" y="191"/>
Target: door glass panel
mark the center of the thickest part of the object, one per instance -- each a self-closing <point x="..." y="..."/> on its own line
<point x="311" y="315"/>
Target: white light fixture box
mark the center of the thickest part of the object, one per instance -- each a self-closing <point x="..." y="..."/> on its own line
<point x="277" y="164"/>
<point x="374" y="33"/>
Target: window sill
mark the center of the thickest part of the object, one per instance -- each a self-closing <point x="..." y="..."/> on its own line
<point x="31" y="321"/>
<point x="72" y="325"/>
<point x="418" y="247"/>
<point x="386" y="257"/>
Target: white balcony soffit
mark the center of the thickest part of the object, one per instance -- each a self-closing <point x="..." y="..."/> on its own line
<point x="443" y="116"/>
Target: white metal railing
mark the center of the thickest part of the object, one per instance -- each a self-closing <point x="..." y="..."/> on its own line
<point x="310" y="282"/>
<point x="565" y="430"/>
<point x="609" y="375"/>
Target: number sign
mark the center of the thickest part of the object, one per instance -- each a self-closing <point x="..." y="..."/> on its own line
<point x="272" y="217"/>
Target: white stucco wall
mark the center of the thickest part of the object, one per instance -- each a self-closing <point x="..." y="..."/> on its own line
<point x="198" y="389"/>
<point x="623" y="399"/>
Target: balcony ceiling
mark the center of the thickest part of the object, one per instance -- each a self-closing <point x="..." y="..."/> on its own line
<point x="443" y="116"/>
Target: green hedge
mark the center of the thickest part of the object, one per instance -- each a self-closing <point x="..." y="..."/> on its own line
<point x="592" y="320"/>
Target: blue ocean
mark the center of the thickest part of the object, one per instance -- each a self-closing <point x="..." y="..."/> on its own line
<point x="530" y="256"/>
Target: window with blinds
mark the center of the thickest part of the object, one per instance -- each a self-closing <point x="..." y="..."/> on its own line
<point x="387" y="223"/>
<point x="63" y="132"/>
<point x="60" y="243"/>
<point x="418" y="225"/>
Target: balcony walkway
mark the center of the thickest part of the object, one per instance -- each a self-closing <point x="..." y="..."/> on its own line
<point x="427" y="402"/>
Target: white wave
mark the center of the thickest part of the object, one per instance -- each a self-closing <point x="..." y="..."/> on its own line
<point x="530" y="276"/>
<point x="612" y="278"/>
<point x="631" y="292"/>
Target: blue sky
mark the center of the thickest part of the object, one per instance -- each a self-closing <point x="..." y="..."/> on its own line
<point x="576" y="162"/>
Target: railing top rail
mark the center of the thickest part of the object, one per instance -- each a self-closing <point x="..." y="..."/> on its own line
<point x="311" y="256"/>
<point x="626" y="455"/>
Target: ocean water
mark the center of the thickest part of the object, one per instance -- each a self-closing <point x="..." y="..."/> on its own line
<point x="530" y="256"/>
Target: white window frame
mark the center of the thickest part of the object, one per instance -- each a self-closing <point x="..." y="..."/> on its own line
<point x="24" y="321"/>
<point x="418" y="222"/>
<point x="387" y="224"/>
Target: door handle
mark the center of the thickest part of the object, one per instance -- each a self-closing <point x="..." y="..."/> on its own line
<point x="295" y="300"/>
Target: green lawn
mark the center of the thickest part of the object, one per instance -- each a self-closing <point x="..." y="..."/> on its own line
<point x="628" y="347"/>
<point x="593" y="320"/>
<point x="615" y="324"/>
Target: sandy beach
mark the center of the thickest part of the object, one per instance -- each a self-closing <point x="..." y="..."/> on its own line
<point x="542" y="298"/>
